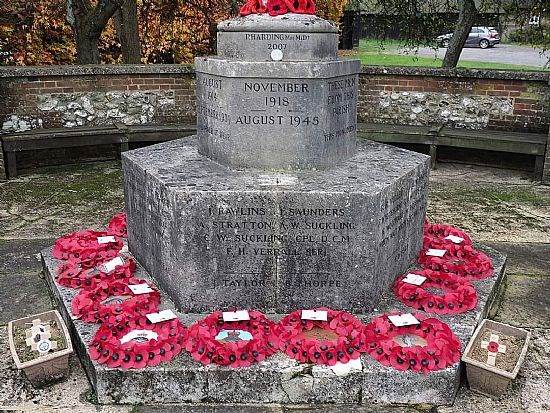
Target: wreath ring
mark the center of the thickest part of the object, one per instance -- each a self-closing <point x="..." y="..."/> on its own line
<point x="111" y="299"/>
<point x="424" y="347"/>
<point x="213" y="340"/>
<point x="150" y="344"/>
<point x="460" y="296"/>
<point x="338" y="339"/>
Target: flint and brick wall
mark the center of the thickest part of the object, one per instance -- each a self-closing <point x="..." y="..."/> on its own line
<point x="54" y="97"/>
<point x="67" y="96"/>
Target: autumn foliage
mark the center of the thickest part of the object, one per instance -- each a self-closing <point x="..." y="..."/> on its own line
<point x="171" y="31"/>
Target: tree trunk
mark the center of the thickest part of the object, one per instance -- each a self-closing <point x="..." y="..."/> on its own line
<point x="88" y="23"/>
<point x="466" y="15"/>
<point x="126" y="22"/>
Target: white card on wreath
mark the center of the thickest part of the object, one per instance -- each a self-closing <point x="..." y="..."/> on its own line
<point x="318" y="315"/>
<point x="141" y="335"/>
<point x="403" y="320"/>
<point x="414" y="279"/>
<point x="240" y="315"/>
<point x="454" y="238"/>
<point x="106" y="240"/>
<point x="140" y="288"/>
<point x="164" y="315"/>
<point x="111" y="265"/>
<point x="436" y="253"/>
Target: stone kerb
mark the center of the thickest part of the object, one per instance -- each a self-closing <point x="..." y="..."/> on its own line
<point x="276" y="115"/>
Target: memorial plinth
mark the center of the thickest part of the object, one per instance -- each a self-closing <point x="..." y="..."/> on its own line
<point x="216" y="238"/>
<point x="275" y="206"/>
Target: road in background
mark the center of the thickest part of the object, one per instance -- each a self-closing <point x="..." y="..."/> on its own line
<point x="501" y="53"/>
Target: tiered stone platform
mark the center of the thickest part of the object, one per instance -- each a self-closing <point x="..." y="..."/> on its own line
<point x="278" y="379"/>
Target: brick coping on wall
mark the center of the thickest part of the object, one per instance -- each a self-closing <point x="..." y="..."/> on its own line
<point x="74" y="70"/>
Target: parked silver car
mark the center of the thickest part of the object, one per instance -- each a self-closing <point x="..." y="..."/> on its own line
<point x="483" y="37"/>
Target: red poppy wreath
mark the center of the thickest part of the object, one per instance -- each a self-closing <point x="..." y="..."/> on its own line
<point x="424" y="347"/>
<point x="464" y="261"/>
<point x="73" y="275"/>
<point x="232" y="343"/>
<point x="438" y="235"/>
<point x="459" y="296"/>
<point x="338" y="339"/>
<point x="87" y="247"/>
<point x="137" y="343"/>
<point x="117" y="225"/>
<point x="111" y="299"/>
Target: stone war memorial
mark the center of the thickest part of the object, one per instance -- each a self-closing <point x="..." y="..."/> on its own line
<point x="274" y="238"/>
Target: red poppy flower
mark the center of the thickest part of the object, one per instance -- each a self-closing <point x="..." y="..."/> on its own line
<point x="301" y="6"/>
<point x="253" y="7"/>
<point x="493" y="347"/>
<point x="117" y="225"/>
<point x="277" y="7"/>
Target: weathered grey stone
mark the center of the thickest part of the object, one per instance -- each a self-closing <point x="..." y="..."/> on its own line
<point x="217" y="238"/>
<point x="276" y="115"/>
<point x="298" y="36"/>
<point x="277" y="379"/>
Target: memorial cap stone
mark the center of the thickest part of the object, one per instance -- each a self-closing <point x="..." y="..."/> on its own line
<point x="300" y="37"/>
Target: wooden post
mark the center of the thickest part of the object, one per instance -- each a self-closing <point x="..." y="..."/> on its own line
<point x="2" y="167"/>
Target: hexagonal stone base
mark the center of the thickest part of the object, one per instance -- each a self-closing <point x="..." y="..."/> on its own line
<point x="216" y="238"/>
<point x="278" y="379"/>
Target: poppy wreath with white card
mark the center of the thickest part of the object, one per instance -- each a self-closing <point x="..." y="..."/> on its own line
<point x="427" y="346"/>
<point x="232" y="343"/>
<point x="73" y="275"/>
<point x="465" y="262"/>
<point x="114" y="298"/>
<point x="87" y="247"/>
<point x="338" y="338"/>
<point x="436" y="235"/>
<point x="137" y="343"/>
<point x="117" y="226"/>
<point x="458" y="296"/>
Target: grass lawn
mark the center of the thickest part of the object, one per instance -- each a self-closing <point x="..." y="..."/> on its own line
<point x="371" y="52"/>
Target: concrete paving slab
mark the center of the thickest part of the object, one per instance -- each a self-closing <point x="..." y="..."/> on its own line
<point x="526" y="302"/>
<point x="22" y="294"/>
<point x="525" y="258"/>
<point x="21" y="255"/>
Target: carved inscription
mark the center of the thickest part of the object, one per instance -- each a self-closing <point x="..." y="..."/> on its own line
<point x="256" y="233"/>
<point x="251" y="230"/>
<point x="301" y="105"/>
